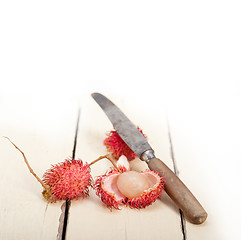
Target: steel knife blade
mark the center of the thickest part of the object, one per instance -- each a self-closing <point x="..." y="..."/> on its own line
<point x="174" y="187"/>
<point x="124" y="127"/>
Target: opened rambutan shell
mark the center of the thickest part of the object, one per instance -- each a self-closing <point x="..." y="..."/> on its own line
<point x="68" y="180"/>
<point x="151" y="194"/>
<point x="117" y="147"/>
<point x="106" y="188"/>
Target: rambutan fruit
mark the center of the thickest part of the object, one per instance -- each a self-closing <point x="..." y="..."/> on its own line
<point x="117" y="147"/>
<point x="130" y="188"/>
<point x="68" y="180"/>
<point x="71" y="179"/>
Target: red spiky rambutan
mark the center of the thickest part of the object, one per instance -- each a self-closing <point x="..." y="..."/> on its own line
<point x="68" y="180"/>
<point x="118" y="147"/>
<point x="130" y="188"/>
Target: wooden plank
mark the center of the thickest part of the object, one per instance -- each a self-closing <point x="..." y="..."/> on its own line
<point x="197" y="144"/>
<point x="44" y="130"/>
<point x="89" y="217"/>
<point x="206" y="138"/>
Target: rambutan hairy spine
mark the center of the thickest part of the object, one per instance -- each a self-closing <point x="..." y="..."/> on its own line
<point x="117" y="146"/>
<point x="106" y="197"/>
<point x="70" y="179"/>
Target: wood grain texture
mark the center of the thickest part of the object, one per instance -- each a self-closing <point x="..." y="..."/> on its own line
<point x="208" y="158"/>
<point x="128" y="223"/>
<point x="24" y="212"/>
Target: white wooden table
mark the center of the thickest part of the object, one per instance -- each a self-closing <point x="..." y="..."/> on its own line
<point x="171" y="67"/>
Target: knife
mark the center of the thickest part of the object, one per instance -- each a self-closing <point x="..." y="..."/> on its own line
<point x="174" y="187"/>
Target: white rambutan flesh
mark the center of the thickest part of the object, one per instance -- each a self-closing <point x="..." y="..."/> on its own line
<point x="132" y="184"/>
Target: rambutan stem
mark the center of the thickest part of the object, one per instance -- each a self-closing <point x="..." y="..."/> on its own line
<point x="30" y="169"/>
<point x="107" y="157"/>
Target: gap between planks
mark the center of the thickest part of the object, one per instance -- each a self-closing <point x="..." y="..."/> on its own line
<point x="176" y="171"/>
<point x="63" y="220"/>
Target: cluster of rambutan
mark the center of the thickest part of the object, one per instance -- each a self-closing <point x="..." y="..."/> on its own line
<point x="71" y="179"/>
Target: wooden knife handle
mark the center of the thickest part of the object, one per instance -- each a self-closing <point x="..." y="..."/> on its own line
<point x="179" y="193"/>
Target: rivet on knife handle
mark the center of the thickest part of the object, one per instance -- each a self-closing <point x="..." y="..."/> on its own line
<point x="176" y="189"/>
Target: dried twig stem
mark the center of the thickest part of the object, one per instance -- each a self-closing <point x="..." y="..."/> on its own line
<point x="107" y="157"/>
<point x="30" y="169"/>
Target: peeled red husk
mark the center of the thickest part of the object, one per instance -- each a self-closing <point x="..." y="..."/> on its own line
<point x="106" y="188"/>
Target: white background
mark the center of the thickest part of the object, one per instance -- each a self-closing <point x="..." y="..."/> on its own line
<point x="179" y="59"/>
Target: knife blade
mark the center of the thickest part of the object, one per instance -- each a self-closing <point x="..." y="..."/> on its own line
<point x="174" y="187"/>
